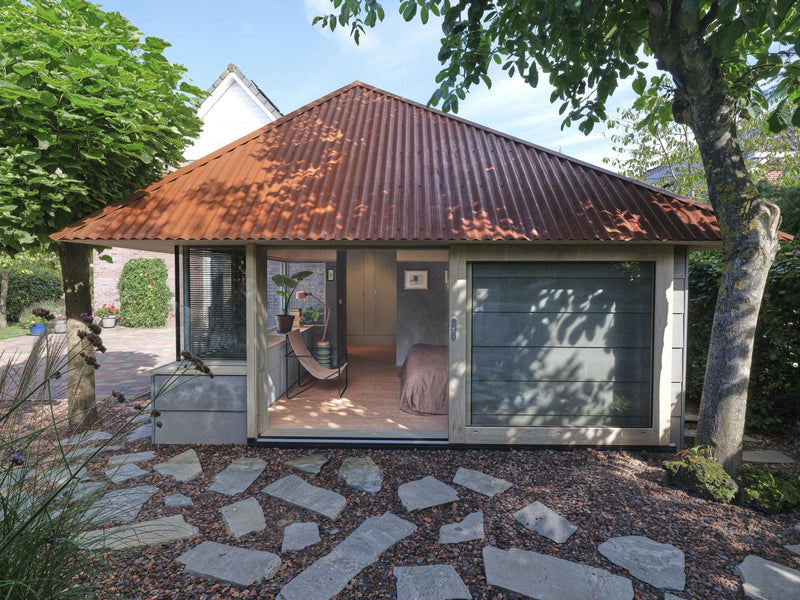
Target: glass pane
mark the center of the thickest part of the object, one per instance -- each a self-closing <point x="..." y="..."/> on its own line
<point x="562" y="344"/>
<point x="314" y="284"/>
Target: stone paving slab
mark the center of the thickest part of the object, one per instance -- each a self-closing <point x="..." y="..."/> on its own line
<point x="295" y="490"/>
<point x="471" y="528"/>
<point x="120" y="505"/>
<point x="78" y="453"/>
<point x="85" y="489"/>
<point x="546" y="577"/>
<point x="767" y="580"/>
<point x="177" y="501"/>
<point x="125" y="472"/>
<point x="425" y="493"/>
<point x="661" y="565"/>
<point x="59" y="475"/>
<point x="183" y="467"/>
<point x="361" y="473"/>
<point x="237" y="566"/>
<point x="299" y="535"/>
<point x="432" y="582"/>
<point x="238" y="476"/>
<point x="133" y="457"/>
<point x="480" y="482"/>
<point x="311" y="464"/>
<point x="793" y="548"/>
<point x="141" y="432"/>
<point x="330" y="574"/>
<point x="243" y="517"/>
<point x="767" y="457"/>
<point x="146" y="533"/>
<point x="545" y="521"/>
<point x="86" y="437"/>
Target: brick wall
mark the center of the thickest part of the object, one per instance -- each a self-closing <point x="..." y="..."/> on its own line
<point x="106" y="275"/>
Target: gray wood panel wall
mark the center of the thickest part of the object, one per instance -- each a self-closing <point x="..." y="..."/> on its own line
<point x="371" y="301"/>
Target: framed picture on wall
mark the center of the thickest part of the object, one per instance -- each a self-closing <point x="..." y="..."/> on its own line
<point x="415" y="279"/>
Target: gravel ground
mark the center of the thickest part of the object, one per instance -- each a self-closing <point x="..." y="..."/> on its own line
<point x="606" y="493"/>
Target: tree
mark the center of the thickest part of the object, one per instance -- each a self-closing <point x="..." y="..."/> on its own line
<point x="89" y="112"/>
<point x="717" y="54"/>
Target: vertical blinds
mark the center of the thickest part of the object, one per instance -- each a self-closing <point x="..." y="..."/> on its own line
<point x="215" y="302"/>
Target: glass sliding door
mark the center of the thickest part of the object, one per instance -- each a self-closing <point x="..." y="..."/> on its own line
<point x="561" y="344"/>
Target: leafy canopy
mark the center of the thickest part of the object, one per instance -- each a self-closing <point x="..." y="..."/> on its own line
<point x="586" y="47"/>
<point x="89" y="112"/>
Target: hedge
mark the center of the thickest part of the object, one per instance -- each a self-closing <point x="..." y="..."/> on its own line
<point x="143" y="291"/>
<point x="774" y="393"/>
<point x="29" y="287"/>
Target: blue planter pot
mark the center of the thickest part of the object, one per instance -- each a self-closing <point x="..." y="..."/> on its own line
<point x="38" y="329"/>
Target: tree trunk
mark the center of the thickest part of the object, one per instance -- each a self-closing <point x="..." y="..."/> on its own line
<point x="4" y="272"/>
<point x="748" y="223"/>
<point x="77" y="299"/>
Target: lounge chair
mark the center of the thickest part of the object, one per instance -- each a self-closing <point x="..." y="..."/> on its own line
<point x="318" y="373"/>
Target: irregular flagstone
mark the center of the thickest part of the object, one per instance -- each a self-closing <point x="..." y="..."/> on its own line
<point x="545" y="521"/>
<point x="133" y="457"/>
<point x="125" y="472"/>
<point x="471" y="528"/>
<point x="794" y="548"/>
<point x="183" y="467"/>
<point x="84" y="489"/>
<point x="243" y="517"/>
<point x="61" y="474"/>
<point x="766" y="456"/>
<point x="238" y="476"/>
<point x="177" y="500"/>
<point x="237" y="566"/>
<point x="311" y="464"/>
<point x="300" y="535"/>
<point x="546" y="577"/>
<point x="432" y="582"/>
<point x="120" y="505"/>
<point x="295" y="490"/>
<point x="141" y="432"/>
<point x="146" y="533"/>
<point x="362" y="474"/>
<point x="424" y="493"/>
<point x="480" y="482"/>
<point x="330" y="574"/>
<point x="86" y="437"/>
<point x="77" y="453"/>
<point x="661" y="565"/>
<point x="668" y="596"/>
<point x="767" y="580"/>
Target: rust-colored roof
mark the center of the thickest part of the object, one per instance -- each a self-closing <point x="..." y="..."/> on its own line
<point x="363" y="164"/>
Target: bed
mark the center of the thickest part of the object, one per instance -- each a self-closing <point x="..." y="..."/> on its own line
<point x="423" y="380"/>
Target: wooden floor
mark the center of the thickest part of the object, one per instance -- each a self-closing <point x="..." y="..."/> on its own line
<point x="371" y="401"/>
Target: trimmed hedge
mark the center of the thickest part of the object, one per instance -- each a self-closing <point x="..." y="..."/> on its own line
<point x="30" y="287"/>
<point x="144" y="295"/>
<point x="774" y="393"/>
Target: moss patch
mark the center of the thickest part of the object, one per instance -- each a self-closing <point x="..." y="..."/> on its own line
<point x="768" y="490"/>
<point x="698" y="472"/>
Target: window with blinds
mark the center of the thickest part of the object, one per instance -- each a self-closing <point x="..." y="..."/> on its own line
<point x="214" y="302"/>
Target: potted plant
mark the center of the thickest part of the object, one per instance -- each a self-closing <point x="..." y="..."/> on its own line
<point x="311" y="316"/>
<point x="289" y="285"/>
<point x="37" y="321"/>
<point x="108" y="314"/>
<point x="60" y="324"/>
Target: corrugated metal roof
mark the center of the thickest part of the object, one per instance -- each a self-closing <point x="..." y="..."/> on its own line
<point x="363" y="164"/>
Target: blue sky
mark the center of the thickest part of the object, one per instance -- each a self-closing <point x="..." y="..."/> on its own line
<point x="275" y="45"/>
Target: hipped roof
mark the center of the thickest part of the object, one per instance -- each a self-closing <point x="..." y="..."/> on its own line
<point x="361" y="164"/>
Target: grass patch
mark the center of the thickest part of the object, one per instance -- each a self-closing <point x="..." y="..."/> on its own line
<point x="12" y="331"/>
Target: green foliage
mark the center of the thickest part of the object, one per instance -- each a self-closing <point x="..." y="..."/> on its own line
<point x="289" y="285"/>
<point x="775" y="375"/>
<point x="788" y="199"/>
<point x="697" y="471"/>
<point x="144" y="295"/>
<point x="89" y="111"/>
<point x="31" y="286"/>
<point x="768" y="490"/>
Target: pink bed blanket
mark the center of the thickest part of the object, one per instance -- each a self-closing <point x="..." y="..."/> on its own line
<point x="423" y="380"/>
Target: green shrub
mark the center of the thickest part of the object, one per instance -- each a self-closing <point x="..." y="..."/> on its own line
<point x="31" y="286"/>
<point x="767" y="490"/>
<point x="774" y="375"/>
<point x="144" y="295"/>
<point x="697" y="471"/>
